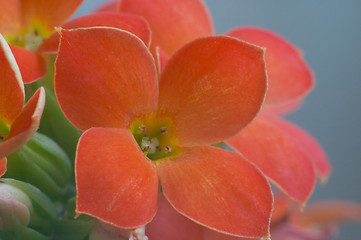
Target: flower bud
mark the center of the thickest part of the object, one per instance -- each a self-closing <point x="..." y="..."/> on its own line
<point x="25" y="212"/>
<point x="44" y="164"/>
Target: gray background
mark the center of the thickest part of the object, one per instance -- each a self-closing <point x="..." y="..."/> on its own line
<point x="329" y="33"/>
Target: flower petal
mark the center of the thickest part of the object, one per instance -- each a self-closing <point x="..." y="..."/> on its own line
<point x="162" y="58"/>
<point x="10" y="16"/>
<point x="25" y="125"/>
<point x="127" y="22"/>
<point x="12" y="88"/>
<point x="212" y="88"/>
<point x="330" y="212"/>
<point x="278" y="155"/>
<point x="218" y="189"/>
<point x="289" y="76"/>
<point x="173" y="22"/>
<point x="115" y="182"/>
<point x="2" y="166"/>
<point x="283" y="109"/>
<point x="110" y="6"/>
<point x="32" y="66"/>
<point x="310" y="146"/>
<point x="169" y="224"/>
<point x="281" y="208"/>
<point x="104" y="77"/>
<point x="49" y="13"/>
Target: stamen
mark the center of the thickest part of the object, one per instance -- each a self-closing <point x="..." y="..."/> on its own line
<point x="146" y="149"/>
<point x="168" y="149"/>
<point x="141" y="129"/>
<point x="163" y="130"/>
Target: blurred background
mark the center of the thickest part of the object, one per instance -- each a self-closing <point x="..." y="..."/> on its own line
<point x="329" y="33"/>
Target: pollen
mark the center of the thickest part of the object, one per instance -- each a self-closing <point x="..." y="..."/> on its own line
<point x="32" y="40"/>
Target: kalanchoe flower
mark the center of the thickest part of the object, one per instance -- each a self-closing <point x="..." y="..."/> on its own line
<point x="18" y="123"/>
<point x="289" y="156"/>
<point x="141" y="130"/>
<point x="25" y="24"/>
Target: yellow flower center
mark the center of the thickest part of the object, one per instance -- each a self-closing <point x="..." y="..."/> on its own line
<point x="29" y="37"/>
<point x="154" y="137"/>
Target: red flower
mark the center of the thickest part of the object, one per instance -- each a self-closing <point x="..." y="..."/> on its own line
<point x="25" y="24"/>
<point x="285" y="153"/>
<point x="141" y="130"/>
<point x="18" y="123"/>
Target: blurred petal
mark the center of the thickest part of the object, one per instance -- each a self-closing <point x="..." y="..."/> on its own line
<point x="281" y="208"/>
<point x="32" y="66"/>
<point x="115" y="182"/>
<point x="209" y="234"/>
<point x="12" y="88"/>
<point x="127" y="22"/>
<point x="25" y="125"/>
<point x="169" y="224"/>
<point x="290" y="232"/>
<point x="288" y="74"/>
<point x="218" y="189"/>
<point x="2" y="166"/>
<point x="103" y="231"/>
<point x="278" y="155"/>
<point x="162" y="58"/>
<point x="330" y="212"/>
<point x="50" y="13"/>
<point x="104" y="77"/>
<point x="310" y="146"/>
<point x="173" y="22"/>
<point x="10" y="16"/>
<point x="212" y="88"/>
<point x="110" y="6"/>
<point x="283" y="109"/>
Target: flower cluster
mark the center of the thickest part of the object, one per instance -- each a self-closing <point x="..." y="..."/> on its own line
<point x="143" y="121"/>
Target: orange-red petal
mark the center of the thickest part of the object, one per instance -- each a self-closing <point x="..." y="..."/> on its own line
<point x="282" y="207"/>
<point x="283" y="109"/>
<point x="25" y="125"/>
<point x="212" y="88"/>
<point x="50" y="13"/>
<point x="218" y="189"/>
<point x="104" y="77"/>
<point x="278" y="155"/>
<point x="115" y="182"/>
<point x="169" y="224"/>
<point x="127" y="22"/>
<point x="2" y="166"/>
<point x="32" y="66"/>
<point x="288" y="74"/>
<point x="173" y="22"/>
<point x="12" y="88"/>
<point x="10" y="16"/>
<point x="330" y="212"/>
<point x="110" y="6"/>
<point x="310" y="146"/>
